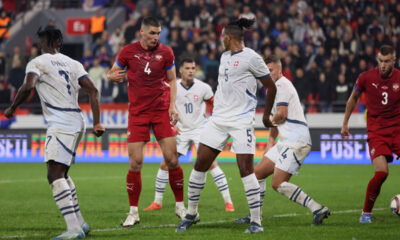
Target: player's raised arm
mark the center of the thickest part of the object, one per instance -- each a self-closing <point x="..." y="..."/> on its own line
<point x="269" y="84"/>
<point x="280" y="115"/>
<point x="351" y="104"/>
<point x="173" y="113"/>
<point x="23" y="93"/>
<point x="116" y="74"/>
<point x="88" y="86"/>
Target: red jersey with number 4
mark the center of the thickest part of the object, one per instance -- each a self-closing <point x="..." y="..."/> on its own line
<point x="382" y="99"/>
<point x="148" y="88"/>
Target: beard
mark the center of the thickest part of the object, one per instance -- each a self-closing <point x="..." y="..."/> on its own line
<point x="387" y="73"/>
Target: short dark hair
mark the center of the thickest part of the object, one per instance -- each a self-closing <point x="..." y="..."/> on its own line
<point x="187" y="60"/>
<point x="387" y="49"/>
<point x="52" y="34"/>
<point x="272" y="59"/>
<point x="236" y="28"/>
<point x="150" y="21"/>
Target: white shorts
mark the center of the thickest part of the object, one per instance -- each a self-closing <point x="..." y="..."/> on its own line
<point x="289" y="157"/>
<point x="185" y="140"/>
<point x="61" y="146"/>
<point x="216" y="136"/>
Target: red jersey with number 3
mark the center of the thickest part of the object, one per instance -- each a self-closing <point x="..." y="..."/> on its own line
<point x="148" y="88"/>
<point x="382" y="99"/>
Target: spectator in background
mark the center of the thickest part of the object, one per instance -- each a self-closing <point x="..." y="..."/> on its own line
<point x="316" y="35"/>
<point x="330" y="73"/>
<point x="102" y="42"/>
<point x="342" y="90"/>
<point x="87" y="60"/>
<point x="104" y="58"/>
<point x="5" y="94"/>
<point x="2" y="64"/>
<point x="97" y="25"/>
<point x="347" y="45"/>
<point x="5" y="23"/>
<point x="190" y="53"/>
<point x="130" y="30"/>
<point x="302" y="86"/>
<point x="343" y="28"/>
<point x="96" y="73"/>
<point x="374" y="28"/>
<point x="203" y="19"/>
<point x="108" y="89"/>
<point x="17" y="74"/>
<point x="115" y="39"/>
<point x="15" y="57"/>
<point x="324" y="93"/>
<point x="211" y="67"/>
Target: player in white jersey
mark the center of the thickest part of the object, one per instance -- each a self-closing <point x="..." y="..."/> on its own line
<point x="191" y="98"/>
<point x="57" y="79"/>
<point x="233" y="116"/>
<point x="286" y="157"/>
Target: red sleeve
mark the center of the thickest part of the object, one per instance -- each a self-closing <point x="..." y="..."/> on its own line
<point x="122" y="59"/>
<point x="360" y="84"/>
<point x="169" y="59"/>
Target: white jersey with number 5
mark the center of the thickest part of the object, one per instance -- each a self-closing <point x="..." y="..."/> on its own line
<point x="58" y="88"/>
<point x="190" y="104"/>
<point x="295" y="128"/>
<point x="235" y="100"/>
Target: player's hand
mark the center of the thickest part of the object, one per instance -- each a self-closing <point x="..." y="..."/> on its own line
<point x="268" y="147"/>
<point x="267" y="122"/>
<point x="98" y="130"/>
<point x="345" y="132"/>
<point x="116" y="76"/>
<point x="177" y="130"/>
<point x="9" y="112"/>
<point x="173" y="115"/>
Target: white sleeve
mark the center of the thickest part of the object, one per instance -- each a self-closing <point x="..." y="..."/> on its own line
<point x="208" y="93"/>
<point x="33" y="67"/>
<point x="258" y="67"/>
<point x="282" y="95"/>
<point x="80" y="71"/>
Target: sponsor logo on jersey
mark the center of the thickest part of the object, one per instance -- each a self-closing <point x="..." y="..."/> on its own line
<point x="396" y="87"/>
<point x="385" y="87"/>
<point x="158" y="57"/>
<point x="137" y="56"/>
<point x="375" y="85"/>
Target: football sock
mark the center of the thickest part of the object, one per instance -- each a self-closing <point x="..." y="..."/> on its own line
<point x="62" y="196"/>
<point x="222" y="183"/>
<point x="197" y="181"/>
<point x="134" y="187"/>
<point x="262" y="183"/>
<point x="75" y="201"/>
<point x="297" y="195"/>
<point x="373" y="190"/>
<point x="176" y="183"/>
<point x="161" y="183"/>
<point x="252" y="189"/>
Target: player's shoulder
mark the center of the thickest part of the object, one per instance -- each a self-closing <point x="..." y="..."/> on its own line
<point x="130" y="47"/>
<point x="250" y="52"/>
<point x="369" y="73"/>
<point x="283" y="83"/>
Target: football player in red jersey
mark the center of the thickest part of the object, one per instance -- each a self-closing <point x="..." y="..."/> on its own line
<point x="382" y="88"/>
<point x="150" y="69"/>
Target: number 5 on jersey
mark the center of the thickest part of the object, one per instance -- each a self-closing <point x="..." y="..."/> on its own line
<point x="147" y="69"/>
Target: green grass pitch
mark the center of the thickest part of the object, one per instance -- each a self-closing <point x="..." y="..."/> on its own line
<point x="28" y="211"/>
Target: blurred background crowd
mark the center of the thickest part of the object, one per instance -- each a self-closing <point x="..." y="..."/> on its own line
<point x="324" y="45"/>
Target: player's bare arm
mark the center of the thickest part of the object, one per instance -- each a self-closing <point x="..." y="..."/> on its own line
<point x="280" y="115"/>
<point x="269" y="84"/>
<point x="351" y="104"/>
<point x="116" y="74"/>
<point x="23" y="93"/>
<point x="173" y="113"/>
<point x="273" y="134"/>
<point x="88" y="86"/>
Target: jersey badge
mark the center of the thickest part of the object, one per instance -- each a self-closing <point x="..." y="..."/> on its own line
<point x="236" y="63"/>
<point x="196" y="98"/>
<point x="396" y="87"/>
<point x="375" y="85"/>
<point x="158" y="57"/>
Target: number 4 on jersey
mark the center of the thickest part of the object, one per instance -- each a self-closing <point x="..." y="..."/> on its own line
<point x="147" y="69"/>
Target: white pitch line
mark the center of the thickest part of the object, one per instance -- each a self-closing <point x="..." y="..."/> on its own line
<point x="200" y="223"/>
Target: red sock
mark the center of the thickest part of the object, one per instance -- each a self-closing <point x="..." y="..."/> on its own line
<point x="373" y="189"/>
<point x="176" y="183"/>
<point x="134" y="187"/>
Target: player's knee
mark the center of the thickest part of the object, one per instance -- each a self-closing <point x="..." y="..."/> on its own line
<point x="172" y="163"/>
<point x="135" y="165"/>
<point x="275" y="184"/>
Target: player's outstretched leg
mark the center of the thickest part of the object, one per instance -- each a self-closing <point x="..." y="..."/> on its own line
<point x="297" y="195"/>
<point x="63" y="197"/>
<point x="197" y="181"/>
<point x="134" y="188"/>
<point x="373" y="190"/>
<point x="82" y="223"/>
<point x="222" y="184"/>
<point x="161" y="183"/>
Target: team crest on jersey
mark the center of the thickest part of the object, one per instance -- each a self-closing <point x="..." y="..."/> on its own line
<point x="158" y="57"/>
<point x="396" y="87"/>
<point x="236" y="63"/>
<point x="196" y="98"/>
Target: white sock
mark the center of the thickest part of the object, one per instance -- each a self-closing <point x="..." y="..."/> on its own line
<point x="252" y="189"/>
<point x="161" y="183"/>
<point x="262" y="183"/>
<point x="179" y="205"/>
<point x="62" y="196"/>
<point x="222" y="183"/>
<point x="75" y="201"/>
<point x="297" y="195"/>
<point x="133" y="209"/>
<point x="197" y="181"/>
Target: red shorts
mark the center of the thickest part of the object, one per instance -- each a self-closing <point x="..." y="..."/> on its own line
<point x="139" y="126"/>
<point x="384" y="143"/>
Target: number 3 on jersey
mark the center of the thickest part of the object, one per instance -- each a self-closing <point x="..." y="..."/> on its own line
<point x="385" y="98"/>
<point x="147" y="69"/>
